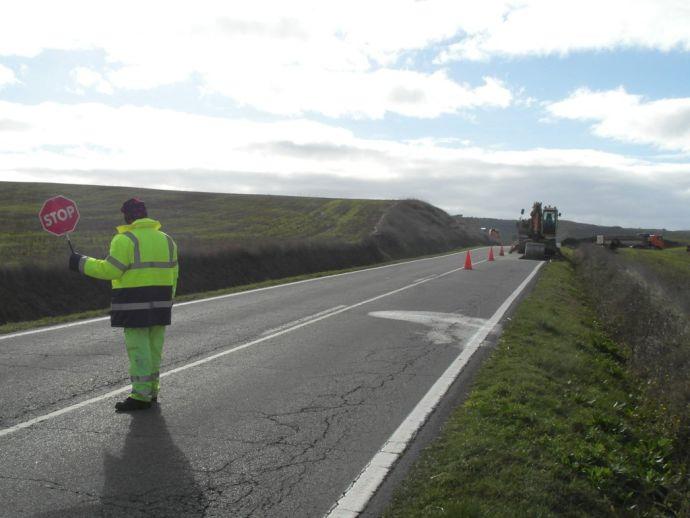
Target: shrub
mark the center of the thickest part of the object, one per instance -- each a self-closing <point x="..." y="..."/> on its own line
<point x="32" y="291"/>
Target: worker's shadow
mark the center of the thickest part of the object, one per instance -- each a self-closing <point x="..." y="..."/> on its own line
<point x="151" y="477"/>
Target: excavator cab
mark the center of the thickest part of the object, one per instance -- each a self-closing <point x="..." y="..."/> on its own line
<point x="550" y="221"/>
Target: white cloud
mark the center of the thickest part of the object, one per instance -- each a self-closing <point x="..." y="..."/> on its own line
<point x="7" y="76"/>
<point x="545" y="27"/>
<point x="664" y="123"/>
<point x="86" y="78"/>
<point x="338" y="59"/>
<point x="84" y="136"/>
<point x="286" y="58"/>
<point x="89" y="135"/>
<point x="272" y="43"/>
<point x="359" y="94"/>
<point x="94" y="143"/>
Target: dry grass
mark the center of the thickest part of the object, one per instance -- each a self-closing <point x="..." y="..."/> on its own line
<point x="636" y="311"/>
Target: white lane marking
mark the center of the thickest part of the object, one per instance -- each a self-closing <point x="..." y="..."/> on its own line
<point x="300" y="320"/>
<point x="237" y="294"/>
<point x="357" y="495"/>
<point x="53" y="328"/>
<point x="446" y="328"/>
<point x="56" y="413"/>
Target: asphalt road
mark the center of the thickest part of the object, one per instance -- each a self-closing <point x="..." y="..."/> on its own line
<point x="272" y="403"/>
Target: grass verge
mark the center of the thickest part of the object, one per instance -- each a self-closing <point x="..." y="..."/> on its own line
<point x="14" y="327"/>
<point x="555" y="426"/>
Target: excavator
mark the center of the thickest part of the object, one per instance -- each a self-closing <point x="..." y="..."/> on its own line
<point x="537" y="235"/>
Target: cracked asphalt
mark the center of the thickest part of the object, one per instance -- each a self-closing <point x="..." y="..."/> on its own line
<point x="280" y="428"/>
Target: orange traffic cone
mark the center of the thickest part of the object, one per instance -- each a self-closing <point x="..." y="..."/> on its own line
<point x="491" y="253"/>
<point x="468" y="261"/>
<point x="501" y="251"/>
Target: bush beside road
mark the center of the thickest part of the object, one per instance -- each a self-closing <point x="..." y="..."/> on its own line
<point x="558" y="423"/>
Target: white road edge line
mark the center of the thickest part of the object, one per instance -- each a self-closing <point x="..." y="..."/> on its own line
<point x="237" y="294"/>
<point x="355" y="498"/>
<point x="56" y="413"/>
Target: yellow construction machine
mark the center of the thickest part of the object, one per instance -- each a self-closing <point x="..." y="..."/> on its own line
<point x="537" y="234"/>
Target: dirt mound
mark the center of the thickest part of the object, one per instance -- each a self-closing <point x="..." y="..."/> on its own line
<point x="414" y="227"/>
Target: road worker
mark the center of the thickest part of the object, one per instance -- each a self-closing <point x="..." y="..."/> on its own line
<point x="142" y="265"/>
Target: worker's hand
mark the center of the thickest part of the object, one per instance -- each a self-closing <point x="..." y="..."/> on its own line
<point x="74" y="261"/>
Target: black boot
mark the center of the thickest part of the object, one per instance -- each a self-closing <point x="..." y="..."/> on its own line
<point x="129" y="405"/>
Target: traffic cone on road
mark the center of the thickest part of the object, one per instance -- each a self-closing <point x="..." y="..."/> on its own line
<point x="491" y="253"/>
<point x="468" y="261"/>
<point x="501" y="251"/>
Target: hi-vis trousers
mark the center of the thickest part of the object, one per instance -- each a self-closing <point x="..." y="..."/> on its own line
<point x="144" y="348"/>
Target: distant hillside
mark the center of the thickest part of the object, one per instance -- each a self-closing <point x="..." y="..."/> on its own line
<point x="207" y="222"/>
<point x="568" y="229"/>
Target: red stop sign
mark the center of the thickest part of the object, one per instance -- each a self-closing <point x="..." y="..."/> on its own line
<point x="59" y="215"/>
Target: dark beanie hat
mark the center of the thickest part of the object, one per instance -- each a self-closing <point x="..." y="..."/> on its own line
<point x="133" y="209"/>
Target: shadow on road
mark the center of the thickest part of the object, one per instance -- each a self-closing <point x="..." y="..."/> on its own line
<point x="151" y="477"/>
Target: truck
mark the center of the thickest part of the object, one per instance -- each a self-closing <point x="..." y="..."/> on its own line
<point x="537" y="234"/>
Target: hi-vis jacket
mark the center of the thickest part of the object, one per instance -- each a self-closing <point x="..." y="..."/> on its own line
<point x="142" y="265"/>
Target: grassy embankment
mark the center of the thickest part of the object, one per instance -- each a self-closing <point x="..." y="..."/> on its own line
<point x="667" y="271"/>
<point x="557" y="425"/>
<point x="200" y="222"/>
<point x="673" y="264"/>
<point x="681" y="236"/>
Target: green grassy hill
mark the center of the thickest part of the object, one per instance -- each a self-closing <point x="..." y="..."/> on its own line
<point x="198" y="221"/>
<point x="208" y="222"/>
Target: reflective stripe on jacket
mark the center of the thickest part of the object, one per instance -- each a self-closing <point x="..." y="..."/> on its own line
<point x="142" y="265"/>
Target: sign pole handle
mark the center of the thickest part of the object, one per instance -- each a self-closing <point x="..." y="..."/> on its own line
<point x="69" y="242"/>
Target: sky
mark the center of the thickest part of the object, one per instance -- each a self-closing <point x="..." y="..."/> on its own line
<point x="479" y="108"/>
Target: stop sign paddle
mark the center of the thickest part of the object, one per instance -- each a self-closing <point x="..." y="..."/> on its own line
<point x="59" y="216"/>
